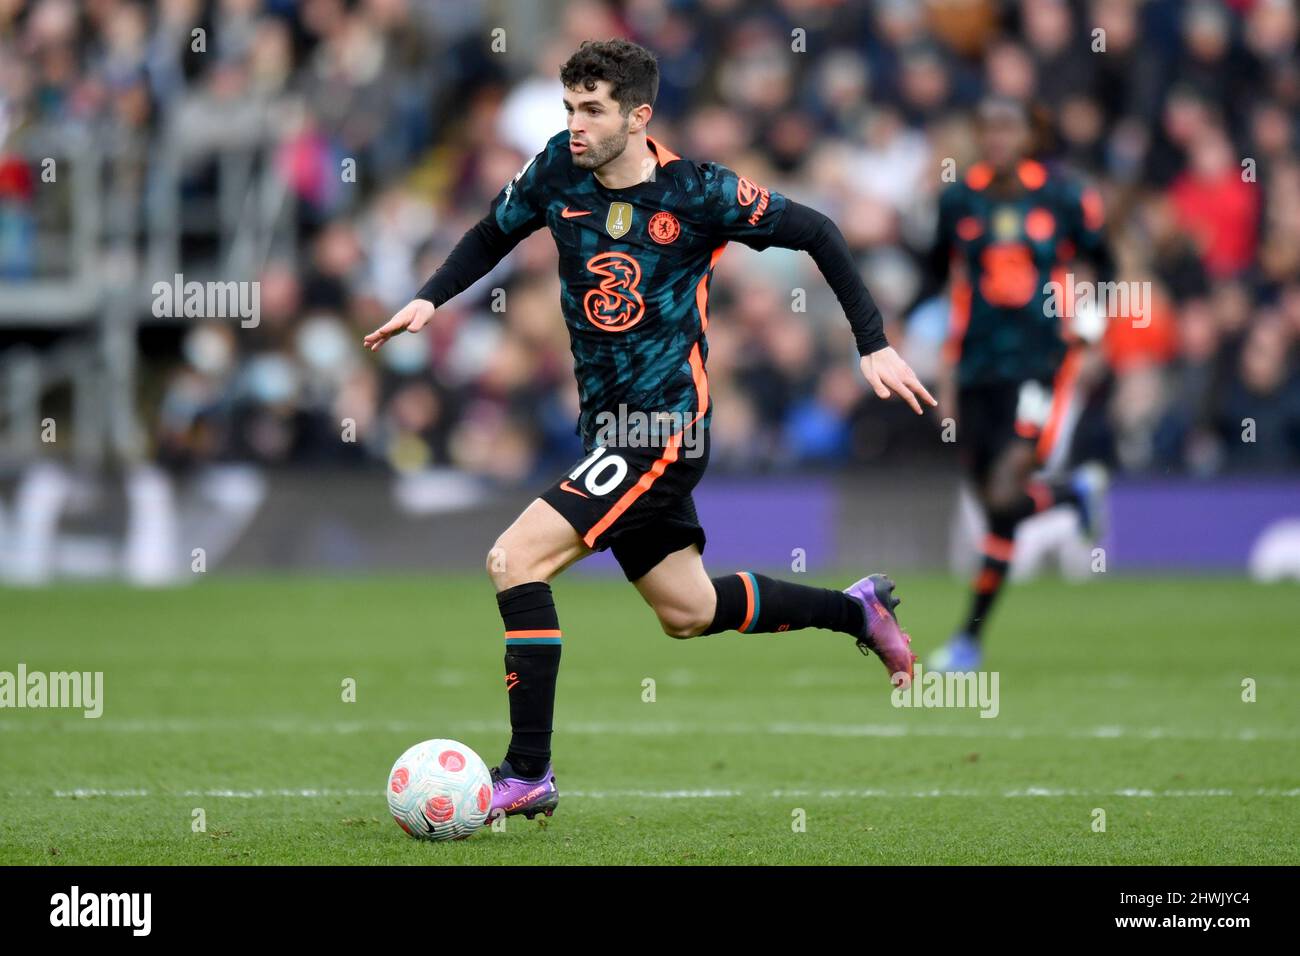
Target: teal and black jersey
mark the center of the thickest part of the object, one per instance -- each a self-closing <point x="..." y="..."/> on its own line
<point x="635" y="266"/>
<point x="1012" y="254"/>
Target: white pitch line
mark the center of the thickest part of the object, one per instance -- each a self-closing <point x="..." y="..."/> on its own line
<point x="775" y="794"/>
<point x="976" y="729"/>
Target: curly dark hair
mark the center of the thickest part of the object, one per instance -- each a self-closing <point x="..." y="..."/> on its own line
<point x="631" y="70"/>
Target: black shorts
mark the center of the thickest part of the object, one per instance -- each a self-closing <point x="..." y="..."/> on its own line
<point x="991" y="417"/>
<point x="635" y="501"/>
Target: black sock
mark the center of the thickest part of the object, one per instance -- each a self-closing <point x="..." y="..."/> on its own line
<point x="1038" y="496"/>
<point x="988" y="582"/>
<point x="756" y="604"/>
<point x="532" y="665"/>
<point x="1000" y="542"/>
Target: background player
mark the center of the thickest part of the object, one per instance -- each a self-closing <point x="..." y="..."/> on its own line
<point x="639" y="231"/>
<point x="1013" y="350"/>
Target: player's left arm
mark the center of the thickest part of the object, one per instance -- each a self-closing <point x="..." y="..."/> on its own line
<point x="759" y="218"/>
<point x="1087" y="230"/>
<point x="802" y="227"/>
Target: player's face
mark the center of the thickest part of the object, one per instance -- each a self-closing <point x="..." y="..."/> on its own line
<point x="1003" y="141"/>
<point x="597" y="130"/>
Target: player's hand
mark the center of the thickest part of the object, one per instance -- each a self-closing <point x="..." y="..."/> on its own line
<point x="888" y="374"/>
<point x="1088" y="323"/>
<point x="412" y="317"/>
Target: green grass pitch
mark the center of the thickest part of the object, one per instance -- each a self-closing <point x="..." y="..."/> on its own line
<point x="1122" y="694"/>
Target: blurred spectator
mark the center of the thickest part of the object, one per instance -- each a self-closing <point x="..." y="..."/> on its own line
<point x="1259" y="420"/>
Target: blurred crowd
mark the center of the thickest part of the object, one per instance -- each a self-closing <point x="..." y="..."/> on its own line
<point x="1183" y="113"/>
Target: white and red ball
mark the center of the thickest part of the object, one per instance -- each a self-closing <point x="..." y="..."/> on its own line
<point x="440" y="790"/>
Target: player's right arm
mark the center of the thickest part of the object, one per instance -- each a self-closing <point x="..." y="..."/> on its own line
<point x="516" y="212"/>
<point x="936" y="269"/>
<point x="937" y="263"/>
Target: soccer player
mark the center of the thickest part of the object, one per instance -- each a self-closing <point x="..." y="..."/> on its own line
<point x="1015" y="343"/>
<point x="639" y="230"/>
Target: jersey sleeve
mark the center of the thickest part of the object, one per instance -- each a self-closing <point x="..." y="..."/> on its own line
<point x="938" y="265"/>
<point x="1086" y="219"/>
<point x="1086" y="229"/>
<point x="951" y="205"/>
<point x="520" y="207"/>
<point x="739" y="209"/>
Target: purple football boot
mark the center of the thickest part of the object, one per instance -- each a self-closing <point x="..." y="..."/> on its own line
<point x="513" y="794"/>
<point x="880" y="630"/>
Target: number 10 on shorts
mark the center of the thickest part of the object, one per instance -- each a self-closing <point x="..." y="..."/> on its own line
<point x="604" y="472"/>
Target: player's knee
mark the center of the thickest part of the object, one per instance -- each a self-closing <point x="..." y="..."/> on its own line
<point x="681" y="623"/>
<point x="507" y="566"/>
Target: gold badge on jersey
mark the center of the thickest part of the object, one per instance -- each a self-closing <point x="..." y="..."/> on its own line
<point x="1006" y="223"/>
<point x="619" y="220"/>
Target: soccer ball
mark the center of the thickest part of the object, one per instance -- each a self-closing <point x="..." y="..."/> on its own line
<point x="440" y="790"/>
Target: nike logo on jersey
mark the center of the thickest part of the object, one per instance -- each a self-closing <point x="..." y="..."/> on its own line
<point x="568" y="213"/>
<point x="565" y="486"/>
